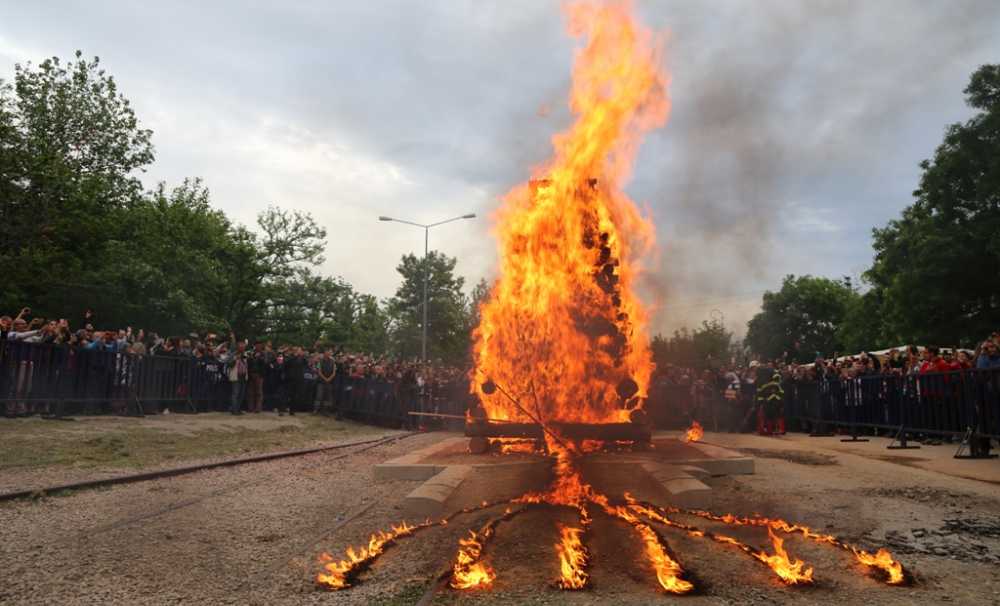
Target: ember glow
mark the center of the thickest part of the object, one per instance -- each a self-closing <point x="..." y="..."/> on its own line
<point x="563" y="329"/>
<point x="694" y="433"/>
<point x="513" y="445"/>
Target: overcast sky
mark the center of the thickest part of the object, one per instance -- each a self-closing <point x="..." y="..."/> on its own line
<point x="797" y="126"/>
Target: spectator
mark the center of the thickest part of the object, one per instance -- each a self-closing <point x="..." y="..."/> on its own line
<point x="235" y="360"/>
<point x="296" y="367"/>
<point x="256" y="369"/>
<point x="989" y="356"/>
<point x="326" y="374"/>
<point x="932" y="361"/>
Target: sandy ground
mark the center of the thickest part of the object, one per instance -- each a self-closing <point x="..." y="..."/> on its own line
<point x="250" y="535"/>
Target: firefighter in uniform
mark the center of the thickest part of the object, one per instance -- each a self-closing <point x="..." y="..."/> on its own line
<point x="770" y="401"/>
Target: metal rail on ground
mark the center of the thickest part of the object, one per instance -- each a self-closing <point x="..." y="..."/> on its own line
<point x="176" y="471"/>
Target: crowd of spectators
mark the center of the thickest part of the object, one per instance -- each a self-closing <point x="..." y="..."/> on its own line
<point x="211" y="371"/>
<point x="727" y="396"/>
<point x="244" y="375"/>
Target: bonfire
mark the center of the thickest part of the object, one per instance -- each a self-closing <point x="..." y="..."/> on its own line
<point x="562" y="336"/>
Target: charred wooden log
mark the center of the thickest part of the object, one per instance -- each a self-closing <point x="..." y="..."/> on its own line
<point x="605" y="432"/>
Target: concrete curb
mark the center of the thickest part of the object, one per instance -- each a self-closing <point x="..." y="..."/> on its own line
<point x="674" y="478"/>
<point x="427" y="500"/>
<point x="721" y="461"/>
<point x="409" y="467"/>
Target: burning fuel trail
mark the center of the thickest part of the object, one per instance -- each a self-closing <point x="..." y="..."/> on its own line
<point x="790" y="572"/>
<point x="881" y="560"/>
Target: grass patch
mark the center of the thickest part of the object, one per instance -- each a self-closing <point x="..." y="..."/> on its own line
<point x="134" y="443"/>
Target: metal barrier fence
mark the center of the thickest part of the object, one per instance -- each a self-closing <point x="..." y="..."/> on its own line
<point x="59" y="380"/>
<point x="962" y="403"/>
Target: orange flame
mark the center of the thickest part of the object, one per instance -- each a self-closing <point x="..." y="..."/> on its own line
<point x="791" y="572"/>
<point x="694" y="433"/>
<point x="469" y="572"/>
<point x="514" y="445"/>
<point x="757" y="554"/>
<point x="562" y="329"/>
<point x="573" y="558"/>
<point x="668" y="570"/>
<point x="883" y="561"/>
<point x="338" y="573"/>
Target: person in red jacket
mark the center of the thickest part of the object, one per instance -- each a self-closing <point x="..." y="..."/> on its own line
<point x="933" y="362"/>
<point x="951" y="362"/>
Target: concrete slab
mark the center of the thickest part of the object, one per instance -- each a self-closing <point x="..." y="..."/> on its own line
<point x="411" y="467"/>
<point x="673" y="478"/>
<point x="697" y="472"/>
<point x="673" y="466"/>
<point x="719" y="461"/>
<point x="428" y="499"/>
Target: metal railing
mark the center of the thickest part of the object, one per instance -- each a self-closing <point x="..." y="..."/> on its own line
<point x="59" y="380"/>
<point x="956" y="403"/>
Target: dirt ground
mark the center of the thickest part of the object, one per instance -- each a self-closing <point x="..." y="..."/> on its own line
<point x="251" y="534"/>
<point x="36" y="452"/>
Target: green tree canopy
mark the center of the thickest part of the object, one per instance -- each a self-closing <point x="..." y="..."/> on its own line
<point x="802" y="319"/>
<point x="937" y="268"/>
<point x="707" y="346"/>
<point x="71" y="150"/>
<point x="448" y="310"/>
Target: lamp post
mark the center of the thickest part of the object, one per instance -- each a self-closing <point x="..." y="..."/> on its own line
<point x="427" y="230"/>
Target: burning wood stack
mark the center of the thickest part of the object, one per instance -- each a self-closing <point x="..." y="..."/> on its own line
<point x="560" y="352"/>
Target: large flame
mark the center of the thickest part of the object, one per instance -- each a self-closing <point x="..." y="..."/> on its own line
<point x="563" y="330"/>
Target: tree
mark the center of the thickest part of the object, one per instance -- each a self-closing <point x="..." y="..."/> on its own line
<point x="77" y="231"/>
<point x="863" y="327"/>
<point x="448" y="320"/>
<point x="802" y="319"/>
<point x="71" y="148"/>
<point x="370" y="330"/>
<point x="263" y="271"/>
<point x="937" y="268"/>
<point x="163" y="266"/>
<point x="707" y="346"/>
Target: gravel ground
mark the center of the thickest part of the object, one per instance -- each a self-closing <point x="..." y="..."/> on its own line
<point x="250" y="535"/>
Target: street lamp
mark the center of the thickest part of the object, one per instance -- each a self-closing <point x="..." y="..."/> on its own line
<point x="427" y="229"/>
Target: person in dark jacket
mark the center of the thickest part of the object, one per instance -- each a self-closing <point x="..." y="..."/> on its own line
<point x="256" y="369"/>
<point x="770" y="401"/>
<point x="295" y="372"/>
